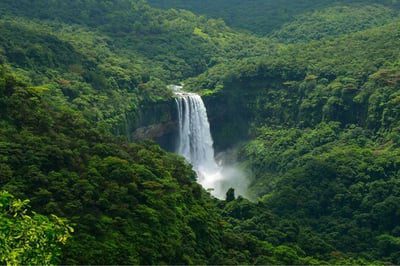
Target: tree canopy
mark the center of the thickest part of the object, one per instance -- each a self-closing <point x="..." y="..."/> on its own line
<point x="309" y="90"/>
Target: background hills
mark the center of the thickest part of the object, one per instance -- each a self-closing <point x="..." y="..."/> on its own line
<point x="262" y="17"/>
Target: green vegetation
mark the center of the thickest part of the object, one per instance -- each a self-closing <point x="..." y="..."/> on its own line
<point x="351" y="79"/>
<point x="325" y="120"/>
<point x="29" y="238"/>
<point x="266" y="16"/>
<point x="318" y="100"/>
<point x="171" y="45"/>
<point x="129" y="203"/>
<point x="109" y="65"/>
<point x="334" y="21"/>
<point x="338" y="184"/>
<point x="123" y="198"/>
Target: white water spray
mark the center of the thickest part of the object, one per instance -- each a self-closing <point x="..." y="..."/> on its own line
<point x="196" y="144"/>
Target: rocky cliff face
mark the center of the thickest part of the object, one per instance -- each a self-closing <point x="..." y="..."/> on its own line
<point x="157" y="122"/>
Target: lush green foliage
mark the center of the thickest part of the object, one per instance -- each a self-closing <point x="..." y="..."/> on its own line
<point x="323" y="118"/>
<point x="334" y="21"/>
<point x="129" y="203"/>
<point x="337" y="183"/>
<point x="352" y="79"/>
<point x="118" y="195"/>
<point x="265" y="16"/>
<point x="29" y="238"/>
<point x="108" y="65"/>
<point x="177" y="44"/>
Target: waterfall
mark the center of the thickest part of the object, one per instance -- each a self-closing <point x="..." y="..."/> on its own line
<point x="195" y="142"/>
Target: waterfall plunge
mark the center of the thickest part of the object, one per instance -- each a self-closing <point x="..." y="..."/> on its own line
<point x="195" y="141"/>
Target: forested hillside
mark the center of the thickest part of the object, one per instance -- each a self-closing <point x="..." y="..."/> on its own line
<point x="263" y="16"/>
<point x="313" y="106"/>
<point x="106" y="65"/>
<point x="325" y="121"/>
<point x="176" y="44"/>
<point x="129" y="203"/>
<point x="334" y="21"/>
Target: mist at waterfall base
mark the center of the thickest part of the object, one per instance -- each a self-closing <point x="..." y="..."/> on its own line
<point x="196" y="145"/>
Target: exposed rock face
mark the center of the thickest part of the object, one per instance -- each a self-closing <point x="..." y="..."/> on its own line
<point x="157" y="122"/>
<point x="157" y="132"/>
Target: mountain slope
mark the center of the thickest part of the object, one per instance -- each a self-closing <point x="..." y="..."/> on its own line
<point x="334" y="21"/>
<point x="110" y="65"/>
<point x="258" y="16"/>
<point x="325" y="120"/>
<point x="179" y="42"/>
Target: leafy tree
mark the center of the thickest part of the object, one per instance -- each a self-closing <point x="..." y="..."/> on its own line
<point x="29" y="238"/>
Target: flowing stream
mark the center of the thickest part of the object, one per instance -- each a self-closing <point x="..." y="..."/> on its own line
<point x="196" y="144"/>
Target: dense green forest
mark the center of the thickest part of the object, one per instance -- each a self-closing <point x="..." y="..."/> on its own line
<point x="263" y="17"/>
<point x="307" y="91"/>
<point x="325" y="127"/>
